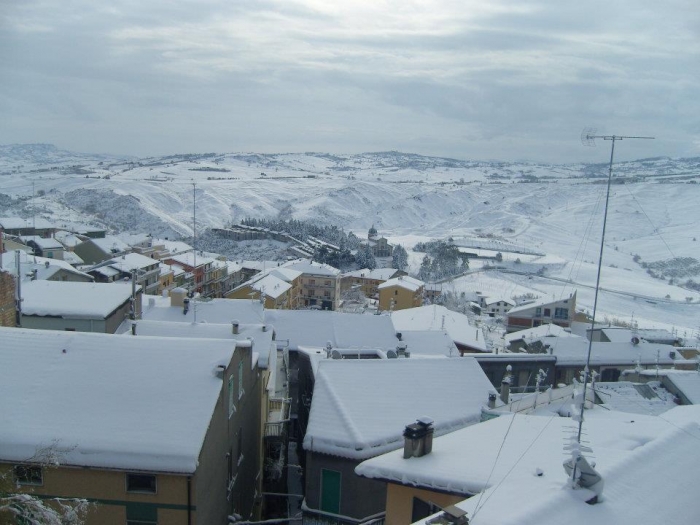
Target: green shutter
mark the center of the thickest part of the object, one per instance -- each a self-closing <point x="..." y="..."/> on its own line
<point x="330" y="491"/>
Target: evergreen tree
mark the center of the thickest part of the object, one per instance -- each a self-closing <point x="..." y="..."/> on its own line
<point x="399" y="257"/>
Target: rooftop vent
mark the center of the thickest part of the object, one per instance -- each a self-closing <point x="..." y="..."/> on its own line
<point x="418" y="438"/>
<point x="235" y="327"/>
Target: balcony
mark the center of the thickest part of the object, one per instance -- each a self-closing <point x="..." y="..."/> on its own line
<point x="277" y="417"/>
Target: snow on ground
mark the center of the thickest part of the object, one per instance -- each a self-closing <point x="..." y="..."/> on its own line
<point x="408" y="198"/>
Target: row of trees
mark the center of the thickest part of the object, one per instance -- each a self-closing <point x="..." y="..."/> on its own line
<point x="441" y="261"/>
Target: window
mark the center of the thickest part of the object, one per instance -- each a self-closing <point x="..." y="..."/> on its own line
<point x="326" y="293"/>
<point x="240" y="379"/>
<point x="330" y="491"/>
<point x="422" y="509"/>
<point x="538" y="312"/>
<point x="145" y="483"/>
<point x="231" y="405"/>
<point x="327" y="283"/>
<point x="561" y="313"/>
<point x="547" y="312"/>
<point x="26" y="475"/>
<point x="312" y="282"/>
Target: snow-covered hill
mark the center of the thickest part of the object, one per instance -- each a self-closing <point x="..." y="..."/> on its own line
<point x="535" y="208"/>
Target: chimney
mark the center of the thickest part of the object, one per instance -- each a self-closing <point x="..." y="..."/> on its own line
<point x="234" y="326"/>
<point x="418" y="438"/>
<point x="264" y="328"/>
<point x="399" y="335"/>
<point x="492" y="400"/>
<point x="505" y="385"/>
<point x="133" y="328"/>
<point x="177" y="296"/>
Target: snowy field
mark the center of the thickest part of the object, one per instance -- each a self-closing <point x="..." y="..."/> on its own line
<point x="546" y="220"/>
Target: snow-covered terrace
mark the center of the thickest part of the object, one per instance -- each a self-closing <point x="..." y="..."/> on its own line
<point x="435" y="317"/>
<point x="317" y="328"/>
<point x="219" y="311"/>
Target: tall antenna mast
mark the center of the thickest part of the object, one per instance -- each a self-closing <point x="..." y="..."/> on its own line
<point x="582" y="474"/>
<point x="194" y="234"/>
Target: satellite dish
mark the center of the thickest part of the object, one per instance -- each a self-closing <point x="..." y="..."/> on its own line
<point x="391" y="354"/>
<point x="635" y="340"/>
<point x="335" y="354"/>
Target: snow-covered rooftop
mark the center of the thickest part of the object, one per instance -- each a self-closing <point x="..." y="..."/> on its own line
<point x="623" y="335"/>
<point x="361" y="407"/>
<point x="130" y="261"/>
<point x="67" y="239"/>
<point x="110" y="244"/>
<point x="310" y="267"/>
<point x="436" y="317"/>
<point x="686" y="381"/>
<point x="650" y="398"/>
<point x="260" y="335"/>
<point x="429" y="342"/>
<point x="44" y="267"/>
<point x="45" y="243"/>
<point x="573" y="351"/>
<point x="107" y="401"/>
<point x="643" y="460"/>
<point x="172" y="246"/>
<point x="73" y="299"/>
<point x="271" y="286"/>
<point x="379" y="274"/>
<point x="220" y="311"/>
<point x="545" y="330"/>
<point x="538" y="302"/>
<point x="191" y="260"/>
<point x="409" y="283"/>
<point x="316" y="328"/>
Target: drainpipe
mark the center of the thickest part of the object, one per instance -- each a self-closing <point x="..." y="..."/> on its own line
<point x="189" y="500"/>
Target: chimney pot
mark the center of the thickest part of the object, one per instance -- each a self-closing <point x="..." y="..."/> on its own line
<point x="418" y="438"/>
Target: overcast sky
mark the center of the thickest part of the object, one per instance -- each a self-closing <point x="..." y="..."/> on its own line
<point x="471" y="79"/>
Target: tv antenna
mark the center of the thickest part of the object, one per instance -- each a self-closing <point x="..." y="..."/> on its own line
<point x="581" y="472"/>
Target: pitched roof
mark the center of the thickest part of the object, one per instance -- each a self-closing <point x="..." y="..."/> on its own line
<point x="409" y="283"/>
<point x="108" y="401"/>
<point x="361" y="407"/>
<point x="310" y="267"/>
<point x="73" y="299"/>
<point x="110" y="244"/>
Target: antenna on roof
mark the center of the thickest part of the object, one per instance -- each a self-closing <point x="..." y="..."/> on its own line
<point x="582" y="473"/>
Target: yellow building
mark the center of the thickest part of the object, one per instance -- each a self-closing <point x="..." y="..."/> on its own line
<point x="368" y="281"/>
<point x="400" y="293"/>
<point x="151" y="430"/>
